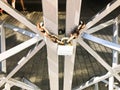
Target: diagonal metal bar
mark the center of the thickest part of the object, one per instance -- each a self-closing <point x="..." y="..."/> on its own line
<point x="17" y="15"/>
<point x="22" y="62"/>
<point x="100" y="27"/>
<point x="72" y="20"/>
<point x="17" y="29"/>
<point x="101" y="41"/>
<point x="99" y="59"/>
<point x="19" y="84"/>
<point x="30" y="83"/>
<point x="19" y="48"/>
<point x="50" y="16"/>
<point x="108" y="9"/>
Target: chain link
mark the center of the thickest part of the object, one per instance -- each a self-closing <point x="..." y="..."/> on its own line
<point x="64" y="40"/>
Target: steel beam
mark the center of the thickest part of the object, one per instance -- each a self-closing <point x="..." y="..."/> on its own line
<point x="50" y="16"/>
<point x="18" y="48"/>
<point x="72" y="21"/>
<point x="3" y="46"/>
<point x="101" y="41"/>
<point x="17" y="15"/>
<point x="22" y="62"/>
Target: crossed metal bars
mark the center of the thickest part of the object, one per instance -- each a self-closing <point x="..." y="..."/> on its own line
<point x="51" y="22"/>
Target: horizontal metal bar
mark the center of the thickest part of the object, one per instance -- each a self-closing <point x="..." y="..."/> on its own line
<point x="101" y="41"/>
<point x="19" y="48"/>
<point x="17" y="29"/>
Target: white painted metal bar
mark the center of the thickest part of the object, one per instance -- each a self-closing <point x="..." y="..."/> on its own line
<point x="3" y="47"/>
<point x="73" y="10"/>
<point x="101" y="41"/>
<point x="19" y="48"/>
<point x="111" y="83"/>
<point x="93" y="81"/>
<point x="17" y="29"/>
<point x="100" y="27"/>
<point x="7" y="86"/>
<point x="96" y="86"/>
<point x="115" y="53"/>
<point x="115" y="40"/>
<point x="108" y="9"/>
<point x="99" y="59"/>
<point x="50" y="16"/>
<point x="19" y="84"/>
<point x="17" y="15"/>
<point x="22" y="62"/>
<point x="30" y="83"/>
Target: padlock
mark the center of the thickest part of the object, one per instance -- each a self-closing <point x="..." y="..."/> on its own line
<point x="65" y="50"/>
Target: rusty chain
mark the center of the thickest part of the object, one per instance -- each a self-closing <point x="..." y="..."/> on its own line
<point x="65" y="40"/>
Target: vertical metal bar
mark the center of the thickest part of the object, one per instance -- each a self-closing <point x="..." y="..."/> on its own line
<point x="73" y="11"/>
<point x="7" y="86"/>
<point x="96" y="87"/>
<point x="115" y="53"/>
<point x="50" y="16"/>
<point x="3" y="47"/>
<point x="72" y="20"/>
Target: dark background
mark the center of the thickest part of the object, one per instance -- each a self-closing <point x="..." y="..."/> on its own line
<point x="35" y="5"/>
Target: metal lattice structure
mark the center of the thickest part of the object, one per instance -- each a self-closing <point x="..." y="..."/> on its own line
<point x="51" y="22"/>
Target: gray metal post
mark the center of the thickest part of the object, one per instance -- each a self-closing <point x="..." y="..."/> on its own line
<point x="2" y="46"/>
